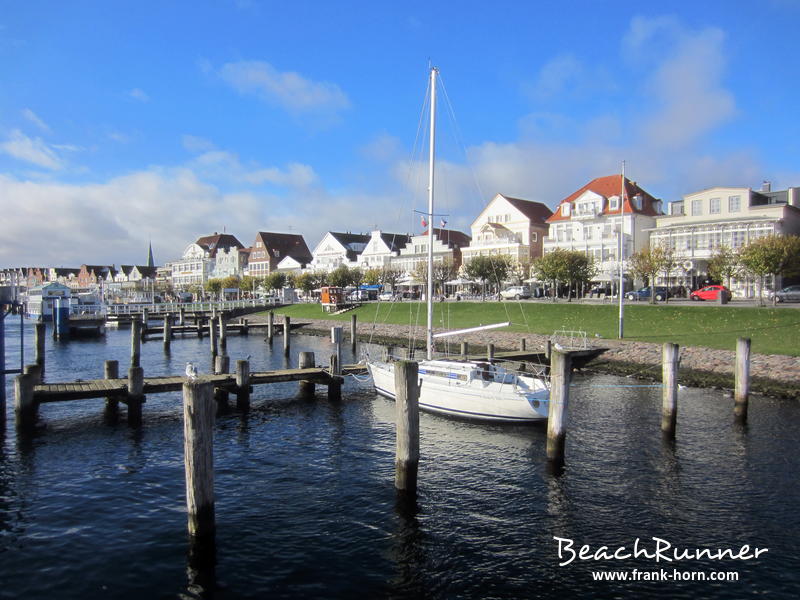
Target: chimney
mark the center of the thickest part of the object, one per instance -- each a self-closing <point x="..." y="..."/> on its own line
<point x="766" y="186"/>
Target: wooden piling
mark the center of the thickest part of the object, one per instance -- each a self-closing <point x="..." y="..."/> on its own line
<point x="560" y="376"/>
<point x="242" y="384"/>
<point x="38" y="344"/>
<point x="245" y="327"/>
<point x="464" y="349"/>
<point x="669" y="379"/>
<point x="286" y="334"/>
<point x="490" y="352"/>
<point x="111" y="371"/>
<point x="307" y="361"/>
<point x="167" y="332"/>
<point x="181" y="316"/>
<point x="34" y="371"/>
<point x="548" y="349"/>
<point x="336" y="340"/>
<point x="335" y="385"/>
<point x="136" y="342"/>
<point x="353" y="320"/>
<point x="199" y="323"/>
<point x="270" y="326"/>
<point x="406" y="460"/>
<point x="741" y="392"/>
<point x="135" y="395"/>
<point x="25" y="407"/>
<point x="212" y="336"/>
<point x="522" y="344"/>
<point x="198" y="453"/>
<point x="222" y="363"/>
<point x="223" y="334"/>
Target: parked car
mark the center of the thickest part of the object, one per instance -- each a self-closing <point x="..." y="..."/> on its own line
<point x="516" y="292"/>
<point x="788" y="294"/>
<point x="710" y="292"/>
<point x="386" y="296"/>
<point x="644" y="293"/>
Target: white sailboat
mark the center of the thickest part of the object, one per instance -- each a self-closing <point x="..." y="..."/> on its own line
<point x="474" y="390"/>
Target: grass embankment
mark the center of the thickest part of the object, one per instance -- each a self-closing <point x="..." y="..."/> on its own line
<point x="772" y="331"/>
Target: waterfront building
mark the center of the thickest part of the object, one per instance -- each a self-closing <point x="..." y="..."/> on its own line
<point x="509" y="226"/>
<point x="336" y="249"/>
<point x="381" y="249"/>
<point x="592" y="218"/>
<point x="701" y="223"/>
<point x="448" y="245"/>
<point x="277" y="251"/>
<point x="196" y="265"/>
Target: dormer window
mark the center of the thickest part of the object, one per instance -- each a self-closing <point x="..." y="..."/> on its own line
<point x="613" y="203"/>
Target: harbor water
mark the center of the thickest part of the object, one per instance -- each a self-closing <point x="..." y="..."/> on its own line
<point x="306" y="506"/>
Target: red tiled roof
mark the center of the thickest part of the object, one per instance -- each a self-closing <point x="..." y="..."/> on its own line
<point x="218" y="240"/>
<point x="608" y="186"/>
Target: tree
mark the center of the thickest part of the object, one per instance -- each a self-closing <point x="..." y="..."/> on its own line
<point x="306" y="282"/>
<point x="372" y="276"/>
<point x="647" y="263"/>
<point x="487" y="268"/>
<point x="340" y="277"/>
<point x="230" y="282"/>
<point x="275" y="280"/>
<point x="356" y="277"/>
<point x="560" y="265"/>
<point x="249" y="283"/>
<point x="390" y="276"/>
<point x="776" y="255"/>
<point x="724" y="265"/>
<point x="580" y="269"/>
<point x="520" y="271"/>
<point x="668" y="265"/>
<point x="443" y="272"/>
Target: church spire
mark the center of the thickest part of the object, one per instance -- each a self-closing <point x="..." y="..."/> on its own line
<point x="150" y="261"/>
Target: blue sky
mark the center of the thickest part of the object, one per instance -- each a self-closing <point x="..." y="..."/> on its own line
<point x="122" y="122"/>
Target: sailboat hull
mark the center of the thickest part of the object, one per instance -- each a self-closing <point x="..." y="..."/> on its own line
<point x="511" y="401"/>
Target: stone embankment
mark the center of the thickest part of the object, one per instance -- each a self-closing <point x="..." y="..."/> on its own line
<point x="776" y="375"/>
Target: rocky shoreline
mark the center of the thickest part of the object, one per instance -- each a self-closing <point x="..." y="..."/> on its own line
<point x="773" y="375"/>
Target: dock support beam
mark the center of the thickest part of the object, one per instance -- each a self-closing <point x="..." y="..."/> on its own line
<point x="270" y="326"/>
<point x="135" y="395"/>
<point x="335" y="384"/>
<point x="286" y="329"/>
<point x="406" y="460"/>
<point x="464" y="349"/>
<point x="223" y="335"/>
<point x="669" y="379"/>
<point x="167" y="332"/>
<point x="111" y="371"/>
<point x="490" y="352"/>
<point x="136" y="342"/>
<point x="222" y="363"/>
<point x="242" y="384"/>
<point x="353" y="321"/>
<point x="741" y="394"/>
<point x="38" y="344"/>
<point x="560" y="375"/>
<point x="212" y="335"/>
<point x="198" y="453"/>
<point x="522" y="344"/>
<point x="25" y="407"/>
<point x="307" y="361"/>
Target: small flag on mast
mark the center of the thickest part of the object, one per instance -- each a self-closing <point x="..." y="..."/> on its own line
<point x="424" y="222"/>
<point x="442" y="223"/>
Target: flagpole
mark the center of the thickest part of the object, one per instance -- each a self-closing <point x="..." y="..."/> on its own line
<point x="619" y="257"/>
<point x="429" y="337"/>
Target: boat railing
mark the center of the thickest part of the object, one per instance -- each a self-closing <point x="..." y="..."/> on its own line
<point x="569" y="339"/>
<point x="174" y="307"/>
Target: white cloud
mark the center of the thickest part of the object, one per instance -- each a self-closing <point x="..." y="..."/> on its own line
<point x="225" y="166"/>
<point x="194" y="143"/>
<point x="139" y="95"/>
<point x="288" y="89"/>
<point x="34" y="118"/>
<point x="32" y="150"/>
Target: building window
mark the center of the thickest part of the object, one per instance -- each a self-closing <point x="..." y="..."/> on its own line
<point x="565" y="209"/>
<point x="714" y="206"/>
<point x="613" y="203"/>
<point x="534" y="236"/>
<point x="734" y="203"/>
<point x="697" y="207"/>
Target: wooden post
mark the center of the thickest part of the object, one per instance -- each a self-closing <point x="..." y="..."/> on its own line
<point x="353" y="320"/>
<point x="335" y="385"/>
<point x="136" y="342"/>
<point x="222" y="363"/>
<point x="34" y="371"/>
<point x="212" y="336"/>
<point x="242" y="384"/>
<point x="548" y="349"/>
<point x="111" y="371"/>
<point x="522" y="344"/>
<point x="490" y="352"/>
<point x="167" y="332"/>
<point x="25" y="407"/>
<point x="560" y="375"/>
<point x="669" y="379"/>
<point x="198" y="454"/>
<point x="307" y="361"/>
<point x="741" y="392"/>
<point x="270" y="326"/>
<point x="38" y="344"/>
<point x="464" y="349"/>
<point x="181" y="316"/>
<point x="286" y="330"/>
<point x="336" y="340"/>
<point x="245" y="327"/>
<point x="199" y="323"/>
<point x="223" y="334"/>
<point x="406" y="460"/>
<point x="135" y="395"/>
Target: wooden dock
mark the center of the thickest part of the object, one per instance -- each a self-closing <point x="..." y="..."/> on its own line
<point x="101" y="388"/>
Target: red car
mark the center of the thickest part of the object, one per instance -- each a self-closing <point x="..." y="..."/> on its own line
<point x="710" y="292"/>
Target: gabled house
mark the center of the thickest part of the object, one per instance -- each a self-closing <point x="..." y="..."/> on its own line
<point x="197" y="263"/>
<point x="381" y="248"/>
<point x="91" y="275"/>
<point x="591" y="218"/>
<point x="448" y="245"/>
<point x="336" y="249"/>
<point x="271" y="249"/>
<point x="509" y="226"/>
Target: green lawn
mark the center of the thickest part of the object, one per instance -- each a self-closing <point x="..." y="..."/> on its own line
<point x="772" y="331"/>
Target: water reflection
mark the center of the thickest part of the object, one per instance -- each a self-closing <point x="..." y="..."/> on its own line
<point x="201" y="568"/>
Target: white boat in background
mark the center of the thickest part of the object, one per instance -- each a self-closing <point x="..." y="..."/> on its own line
<point x="466" y="389"/>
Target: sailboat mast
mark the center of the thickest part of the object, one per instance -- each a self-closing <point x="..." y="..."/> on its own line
<point x="429" y="293"/>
